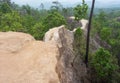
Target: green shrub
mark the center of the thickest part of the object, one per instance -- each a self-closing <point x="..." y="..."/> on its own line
<point x="79" y="44"/>
<point x="11" y="22"/>
<point x="104" y="64"/>
<point x="54" y="19"/>
<point x="78" y="32"/>
<point x="80" y="11"/>
<point x="28" y="22"/>
<point x="105" y="33"/>
<point x="38" y="31"/>
<point x="5" y="8"/>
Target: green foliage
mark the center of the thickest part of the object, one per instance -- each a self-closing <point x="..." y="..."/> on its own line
<point x="79" y="44"/>
<point x="78" y="33"/>
<point x="27" y="9"/>
<point x="27" y="19"/>
<point x="107" y="26"/>
<point x="56" y="6"/>
<point x="38" y="31"/>
<point x="11" y="22"/>
<point x="5" y="8"/>
<point x="80" y="11"/>
<point x="6" y="1"/>
<point x="115" y="24"/>
<point x="54" y="19"/>
<point x="105" y="33"/>
<point x="115" y="44"/>
<point x="28" y="22"/>
<point x="105" y="65"/>
<point x="99" y="21"/>
<point x="102" y="16"/>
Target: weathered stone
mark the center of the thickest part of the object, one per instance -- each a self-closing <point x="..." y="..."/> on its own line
<point x="59" y="34"/>
<point x="68" y="71"/>
<point x="64" y="39"/>
<point x="24" y="60"/>
<point x="84" y="24"/>
<point x="72" y="23"/>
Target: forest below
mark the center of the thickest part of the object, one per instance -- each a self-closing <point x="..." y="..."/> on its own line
<point x="104" y="63"/>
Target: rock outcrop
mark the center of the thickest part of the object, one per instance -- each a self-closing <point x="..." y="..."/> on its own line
<point x="72" y="23"/>
<point x="68" y="71"/>
<point x="25" y="60"/>
<point x="84" y="24"/>
<point x="63" y="38"/>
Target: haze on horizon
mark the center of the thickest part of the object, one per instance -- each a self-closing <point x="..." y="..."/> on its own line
<point x="36" y="3"/>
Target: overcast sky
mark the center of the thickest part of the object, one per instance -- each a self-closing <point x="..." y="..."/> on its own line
<point x="38" y="2"/>
<point x="70" y="1"/>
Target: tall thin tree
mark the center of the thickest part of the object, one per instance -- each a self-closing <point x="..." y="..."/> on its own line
<point x="88" y="33"/>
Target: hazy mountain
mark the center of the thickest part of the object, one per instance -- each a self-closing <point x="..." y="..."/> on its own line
<point x="98" y="4"/>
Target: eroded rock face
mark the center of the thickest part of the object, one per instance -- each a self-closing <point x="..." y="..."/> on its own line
<point x="84" y="25"/>
<point x="72" y="23"/>
<point x="25" y="60"/>
<point x="59" y="34"/>
<point x="68" y="71"/>
<point x="63" y="38"/>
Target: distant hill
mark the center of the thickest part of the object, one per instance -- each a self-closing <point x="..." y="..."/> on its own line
<point x="98" y="4"/>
